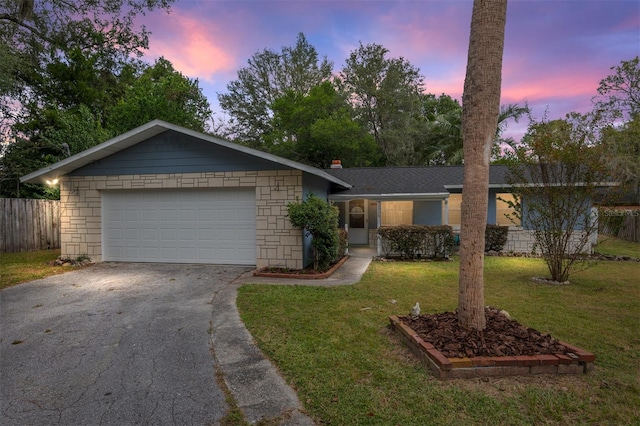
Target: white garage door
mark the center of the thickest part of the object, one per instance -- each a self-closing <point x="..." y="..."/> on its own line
<point x="180" y="226"/>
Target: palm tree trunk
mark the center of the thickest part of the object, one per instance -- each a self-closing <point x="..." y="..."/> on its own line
<point x="480" y="108"/>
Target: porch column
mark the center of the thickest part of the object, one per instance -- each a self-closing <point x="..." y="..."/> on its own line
<point x="446" y="212"/>
<point x="379" y="215"/>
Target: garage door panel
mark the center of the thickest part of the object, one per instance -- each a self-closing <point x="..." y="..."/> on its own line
<point x="167" y="234"/>
<point x="181" y="225"/>
<point x="167" y="254"/>
<point x="150" y="252"/>
<point x="206" y="235"/>
<point x="133" y="234"/>
<point x="150" y="215"/>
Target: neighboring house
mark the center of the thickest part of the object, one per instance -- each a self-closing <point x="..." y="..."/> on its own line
<point x="163" y="193"/>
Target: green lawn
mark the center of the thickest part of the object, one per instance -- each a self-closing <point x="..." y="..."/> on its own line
<point x="333" y="345"/>
<point x="612" y="245"/>
<point x="16" y="268"/>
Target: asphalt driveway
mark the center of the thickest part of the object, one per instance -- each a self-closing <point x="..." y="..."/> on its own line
<point x="112" y="344"/>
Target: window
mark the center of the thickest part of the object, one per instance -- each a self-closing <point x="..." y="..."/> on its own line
<point x="455" y="210"/>
<point x="396" y="213"/>
<point x="502" y="208"/>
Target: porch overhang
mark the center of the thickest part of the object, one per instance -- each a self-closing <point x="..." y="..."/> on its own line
<point x="491" y="186"/>
<point x="390" y="197"/>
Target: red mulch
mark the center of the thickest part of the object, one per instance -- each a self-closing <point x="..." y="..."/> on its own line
<point x="501" y="337"/>
<point x="306" y="271"/>
<point x="287" y="271"/>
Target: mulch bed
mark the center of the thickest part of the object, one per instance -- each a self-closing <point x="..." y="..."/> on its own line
<point x="501" y="337"/>
<point x="307" y="273"/>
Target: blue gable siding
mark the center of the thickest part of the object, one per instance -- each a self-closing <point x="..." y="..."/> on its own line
<point x="314" y="185"/>
<point x="583" y="221"/>
<point x="427" y="212"/>
<point x="173" y="152"/>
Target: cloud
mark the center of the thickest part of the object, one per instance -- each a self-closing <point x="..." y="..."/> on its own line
<point x="428" y="30"/>
<point x="194" y="46"/>
<point x="555" y="52"/>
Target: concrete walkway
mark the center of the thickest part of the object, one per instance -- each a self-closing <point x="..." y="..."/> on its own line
<point x="258" y="389"/>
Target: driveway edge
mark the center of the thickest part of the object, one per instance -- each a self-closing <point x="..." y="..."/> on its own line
<point x="260" y="392"/>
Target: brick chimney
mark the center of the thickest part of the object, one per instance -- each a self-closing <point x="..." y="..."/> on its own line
<point x="336" y="164"/>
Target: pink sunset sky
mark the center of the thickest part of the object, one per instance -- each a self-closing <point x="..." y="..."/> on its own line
<point x="556" y="52"/>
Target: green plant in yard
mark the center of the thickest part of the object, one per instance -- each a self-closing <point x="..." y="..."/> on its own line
<point x="334" y="346"/>
<point x="318" y="219"/>
<point x="343" y="241"/>
<point x="564" y="172"/>
<point x="495" y="237"/>
<point x="411" y="241"/>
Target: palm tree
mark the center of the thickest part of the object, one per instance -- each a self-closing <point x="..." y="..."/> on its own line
<point x="446" y="135"/>
<point x="507" y="112"/>
<point x="480" y="109"/>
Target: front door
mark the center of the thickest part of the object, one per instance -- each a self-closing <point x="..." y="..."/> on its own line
<point x="358" y="222"/>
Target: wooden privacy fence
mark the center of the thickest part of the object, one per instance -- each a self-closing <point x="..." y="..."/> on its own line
<point x="29" y="224"/>
<point x="621" y="222"/>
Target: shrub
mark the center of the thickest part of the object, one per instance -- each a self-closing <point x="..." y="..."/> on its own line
<point x="319" y="219"/>
<point x="495" y="237"/>
<point x="411" y="241"/>
<point x="343" y="240"/>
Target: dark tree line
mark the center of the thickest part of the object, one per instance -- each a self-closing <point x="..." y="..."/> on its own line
<point x="373" y="112"/>
<point x="71" y="77"/>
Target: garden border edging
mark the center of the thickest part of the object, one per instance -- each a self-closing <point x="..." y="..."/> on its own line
<point x="321" y="276"/>
<point x="576" y="361"/>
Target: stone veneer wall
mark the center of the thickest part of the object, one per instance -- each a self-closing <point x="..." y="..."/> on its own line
<point x="522" y="241"/>
<point x="278" y="243"/>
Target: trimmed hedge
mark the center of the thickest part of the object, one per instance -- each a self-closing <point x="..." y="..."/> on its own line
<point x="417" y="241"/>
<point x="495" y="237"/>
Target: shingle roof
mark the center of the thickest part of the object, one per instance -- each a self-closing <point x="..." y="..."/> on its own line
<point x="396" y="181"/>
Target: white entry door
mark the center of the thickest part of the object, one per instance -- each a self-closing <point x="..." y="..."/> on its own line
<point x="358" y="222"/>
<point x="180" y="226"/>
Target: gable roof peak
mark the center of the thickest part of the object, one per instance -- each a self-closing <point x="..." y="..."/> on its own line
<point x="148" y="130"/>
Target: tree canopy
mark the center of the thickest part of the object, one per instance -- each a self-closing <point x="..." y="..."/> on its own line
<point x="160" y="92"/>
<point x="318" y="128"/>
<point x="619" y="93"/>
<point x="68" y="118"/>
<point x="268" y="76"/>
<point x="34" y="35"/>
<point x="386" y="97"/>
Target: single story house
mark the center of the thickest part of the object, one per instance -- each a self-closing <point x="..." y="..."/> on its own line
<point x="163" y="193"/>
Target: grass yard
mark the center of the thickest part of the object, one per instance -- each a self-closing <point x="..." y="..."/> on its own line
<point x="612" y="245"/>
<point x="16" y="268"/>
<point x="334" y="346"/>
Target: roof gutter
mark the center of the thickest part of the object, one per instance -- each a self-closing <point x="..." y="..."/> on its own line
<point x="391" y="197"/>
